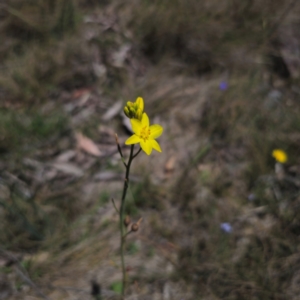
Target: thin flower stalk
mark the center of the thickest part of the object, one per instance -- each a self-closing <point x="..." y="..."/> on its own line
<point x="122" y="215"/>
<point x="145" y="135"/>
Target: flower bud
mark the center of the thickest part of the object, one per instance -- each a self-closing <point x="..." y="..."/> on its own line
<point x="134" y="110"/>
<point x="140" y="103"/>
<point x="127" y="221"/>
<point x="134" y="227"/>
<point x="126" y="112"/>
<point x="139" y="114"/>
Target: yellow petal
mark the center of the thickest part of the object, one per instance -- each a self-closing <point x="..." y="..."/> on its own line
<point x="136" y="126"/>
<point x="134" y="139"/>
<point x="140" y="103"/>
<point x="280" y="155"/>
<point x="155" y="145"/>
<point x="145" y="120"/>
<point x="146" y="146"/>
<point x="156" y="130"/>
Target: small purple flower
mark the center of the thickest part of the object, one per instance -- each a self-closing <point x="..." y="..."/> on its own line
<point x="226" y="227"/>
<point x="251" y="197"/>
<point x="223" y="86"/>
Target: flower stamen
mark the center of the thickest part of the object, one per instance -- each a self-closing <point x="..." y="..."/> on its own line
<point x="145" y="132"/>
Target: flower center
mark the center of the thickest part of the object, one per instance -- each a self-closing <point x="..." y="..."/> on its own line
<point x="145" y="132"/>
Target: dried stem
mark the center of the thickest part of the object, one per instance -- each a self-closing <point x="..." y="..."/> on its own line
<point x="120" y="149"/>
<point x="23" y="274"/>
<point x="113" y="201"/>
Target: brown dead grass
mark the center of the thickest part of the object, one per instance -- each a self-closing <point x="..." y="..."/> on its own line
<point x="219" y="141"/>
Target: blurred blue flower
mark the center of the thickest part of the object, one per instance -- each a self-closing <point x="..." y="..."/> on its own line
<point x="223" y="85"/>
<point x="251" y="197"/>
<point x="226" y="227"/>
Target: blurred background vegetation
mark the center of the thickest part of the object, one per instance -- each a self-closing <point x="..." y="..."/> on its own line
<point x="220" y="218"/>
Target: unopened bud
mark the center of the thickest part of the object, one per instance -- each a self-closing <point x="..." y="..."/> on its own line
<point x="134" y="110"/>
<point x="140" y="102"/>
<point x="135" y="226"/>
<point x="139" y="114"/>
<point x="127" y="221"/>
<point x="126" y="112"/>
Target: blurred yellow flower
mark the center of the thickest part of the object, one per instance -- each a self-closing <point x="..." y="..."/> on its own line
<point x="134" y="110"/>
<point x="280" y="155"/>
<point x="145" y="134"/>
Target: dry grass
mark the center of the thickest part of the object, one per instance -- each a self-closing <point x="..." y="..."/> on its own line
<point x="220" y="142"/>
<point x="204" y="36"/>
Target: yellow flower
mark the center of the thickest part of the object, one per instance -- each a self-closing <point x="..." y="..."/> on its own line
<point x="134" y="110"/>
<point x="145" y="134"/>
<point x="280" y="155"/>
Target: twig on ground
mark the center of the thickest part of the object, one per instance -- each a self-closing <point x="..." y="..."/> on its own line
<point x="23" y="274"/>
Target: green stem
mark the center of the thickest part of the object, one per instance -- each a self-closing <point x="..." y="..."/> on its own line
<point x="122" y="210"/>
